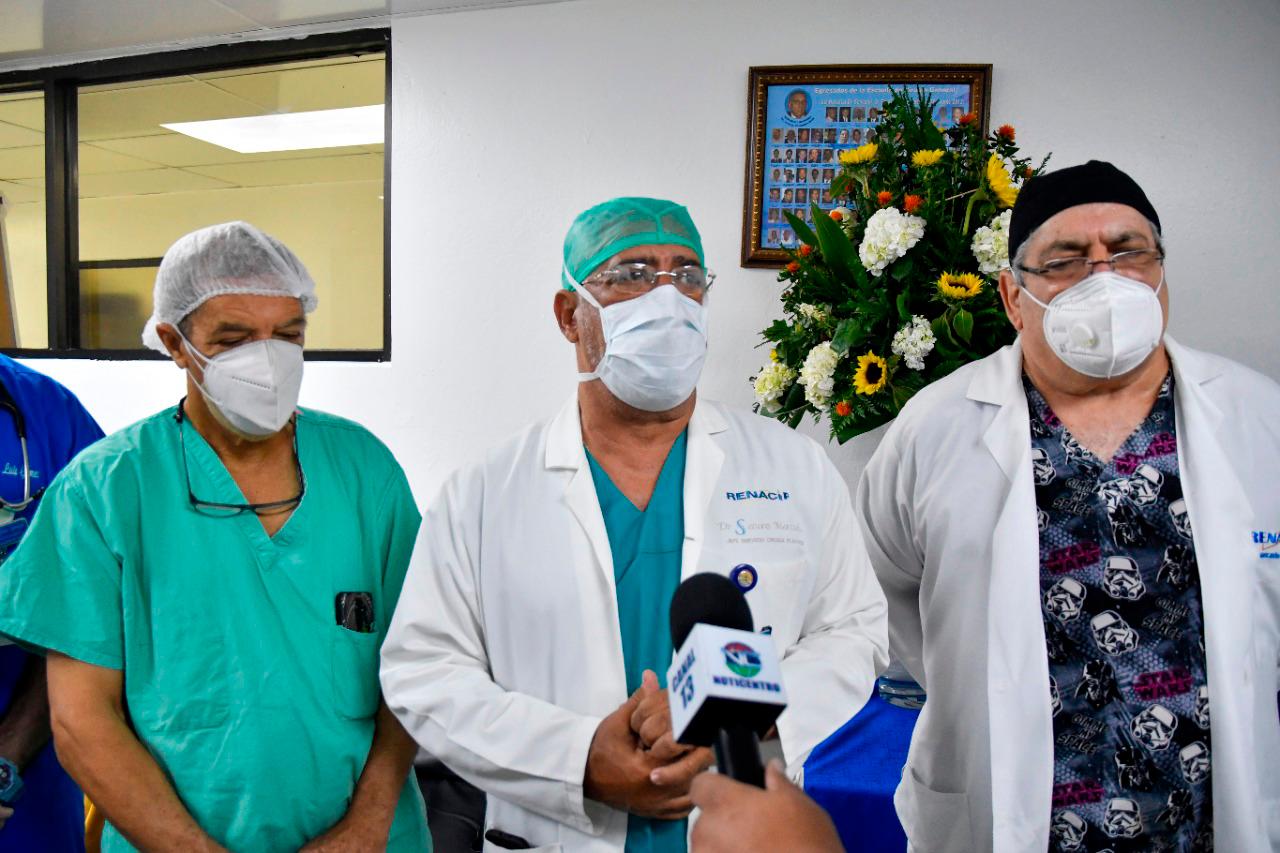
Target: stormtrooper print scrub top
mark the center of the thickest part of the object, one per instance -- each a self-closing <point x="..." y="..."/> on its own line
<point x="1125" y="633"/>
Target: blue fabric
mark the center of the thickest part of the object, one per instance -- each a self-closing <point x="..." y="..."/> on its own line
<point x="853" y="775"/>
<point x="50" y="814"/>
<point x="646" y="548"/>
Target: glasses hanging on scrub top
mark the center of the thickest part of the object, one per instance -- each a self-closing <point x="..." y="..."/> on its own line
<point x="229" y="510"/>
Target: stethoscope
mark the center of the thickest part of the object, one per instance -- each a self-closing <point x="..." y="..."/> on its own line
<point x="20" y="426"/>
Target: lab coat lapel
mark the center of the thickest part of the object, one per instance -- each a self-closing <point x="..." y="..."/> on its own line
<point x="1020" y="718"/>
<point x="1221" y="515"/>
<point x="565" y="451"/>
<point x="703" y="460"/>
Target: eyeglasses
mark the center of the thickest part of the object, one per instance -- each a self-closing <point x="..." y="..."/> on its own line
<point x="229" y="510"/>
<point x="639" y="278"/>
<point x="1137" y="263"/>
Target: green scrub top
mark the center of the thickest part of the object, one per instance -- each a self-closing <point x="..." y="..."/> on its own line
<point x="646" y="550"/>
<point x="239" y="680"/>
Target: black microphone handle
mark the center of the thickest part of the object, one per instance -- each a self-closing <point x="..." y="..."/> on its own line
<point x="738" y="754"/>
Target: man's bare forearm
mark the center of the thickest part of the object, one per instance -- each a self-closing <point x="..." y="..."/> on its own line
<point x="25" y="728"/>
<point x="385" y="772"/>
<point x="112" y="767"/>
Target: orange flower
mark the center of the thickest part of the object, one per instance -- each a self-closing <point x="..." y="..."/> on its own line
<point x="837" y="216"/>
<point x="884" y="197"/>
<point x="912" y="203"/>
<point x="793" y="267"/>
<point x="805" y="250"/>
<point x="1006" y="132"/>
<point x="968" y="118"/>
<point x="843" y="408"/>
<point x="1028" y="172"/>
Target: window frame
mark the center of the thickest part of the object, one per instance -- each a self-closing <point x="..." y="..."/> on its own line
<point x="60" y="84"/>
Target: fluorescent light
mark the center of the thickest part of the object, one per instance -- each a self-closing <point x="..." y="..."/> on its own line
<point x="290" y="131"/>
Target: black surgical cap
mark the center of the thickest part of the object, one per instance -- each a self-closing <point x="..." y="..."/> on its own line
<point x="1045" y="196"/>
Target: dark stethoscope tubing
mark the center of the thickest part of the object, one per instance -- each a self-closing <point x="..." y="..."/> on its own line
<point x="20" y="425"/>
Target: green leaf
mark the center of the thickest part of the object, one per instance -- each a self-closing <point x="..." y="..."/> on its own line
<point x="901" y="394"/>
<point x="802" y="230"/>
<point x="904" y="314"/>
<point x="941" y="330"/>
<point x="836" y="248"/>
<point x="847" y="334"/>
<point x="779" y="330"/>
<point x="963" y="323"/>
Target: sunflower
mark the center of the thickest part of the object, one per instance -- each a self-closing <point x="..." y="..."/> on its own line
<point x="872" y="374"/>
<point x="920" y="159"/>
<point x="1001" y="185"/>
<point x="963" y="285"/>
<point x="860" y="155"/>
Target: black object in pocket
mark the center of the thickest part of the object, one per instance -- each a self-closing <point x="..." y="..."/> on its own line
<point x="354" y="611"/>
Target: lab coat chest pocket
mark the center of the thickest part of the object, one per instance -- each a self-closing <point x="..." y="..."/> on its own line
<point x="773" y="585"/>
<point x="354" y="665"/>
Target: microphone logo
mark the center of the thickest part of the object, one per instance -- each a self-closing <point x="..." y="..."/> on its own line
<point x="742" y="660"/>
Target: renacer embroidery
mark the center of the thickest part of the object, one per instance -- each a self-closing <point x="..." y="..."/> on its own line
<point x="750" y="495"/>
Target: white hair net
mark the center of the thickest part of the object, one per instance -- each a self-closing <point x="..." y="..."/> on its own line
<point x="233" y="257"/>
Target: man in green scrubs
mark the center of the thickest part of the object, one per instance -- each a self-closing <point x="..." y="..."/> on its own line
<point x="212" y="585"/>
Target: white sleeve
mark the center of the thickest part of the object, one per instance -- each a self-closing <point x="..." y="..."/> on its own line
<point x="885" y="506"/>
<point x="436" y="679"/>
<point x="831" y="670"/>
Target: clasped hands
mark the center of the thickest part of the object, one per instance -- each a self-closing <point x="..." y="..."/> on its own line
<point x="634" y="762"/>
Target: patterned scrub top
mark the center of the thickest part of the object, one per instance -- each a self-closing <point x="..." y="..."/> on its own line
<point x="1125" y="633"/>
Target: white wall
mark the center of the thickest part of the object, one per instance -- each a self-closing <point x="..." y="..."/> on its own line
<point x="508" y="122"/>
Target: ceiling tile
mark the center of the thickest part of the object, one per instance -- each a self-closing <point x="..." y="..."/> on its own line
<point x="346" y="84"/>
<point x="19" y="193"/>
<point x="145" y="183"/>
<point x="312" y="170"/>
<point x="97" y="161"/>
<point x="176" y="149"/>
<point x="25" y="162"/>
<point x="13" y="136"/>
<point x="140" y="110"/>
<point x="24" y="111"/>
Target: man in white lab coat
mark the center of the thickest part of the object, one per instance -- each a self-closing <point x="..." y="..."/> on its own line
<point x="538" y="596"/>
<point x="1076" y="537"/>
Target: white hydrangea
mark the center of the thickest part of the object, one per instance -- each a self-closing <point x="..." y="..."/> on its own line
<point x="814" y="314"/>
<point x="890" y="235"/>
<point x="817" y="374"/>
<point x="991" y="244"/>
<point x="914" y="341"/>
<point x="771" y="383"/>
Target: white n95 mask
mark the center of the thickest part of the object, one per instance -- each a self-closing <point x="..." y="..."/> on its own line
<point x="254" y="386"/>
<point x="1104" y="326"/>
<point x="654" y="347"/>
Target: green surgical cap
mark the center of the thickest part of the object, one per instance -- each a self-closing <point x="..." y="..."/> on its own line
<point x="616" y="225"/>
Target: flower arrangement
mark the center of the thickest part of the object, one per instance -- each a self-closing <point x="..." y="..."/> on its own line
<point x="896" y="287"/>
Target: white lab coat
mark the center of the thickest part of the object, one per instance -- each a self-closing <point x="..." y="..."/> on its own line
<point x="505" y="653"/>
<point x="948" y="509"/>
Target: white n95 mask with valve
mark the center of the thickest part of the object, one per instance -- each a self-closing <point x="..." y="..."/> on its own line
<point x="1104" y="326"/>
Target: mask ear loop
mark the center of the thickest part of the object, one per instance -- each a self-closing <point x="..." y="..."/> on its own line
<point x="583" y="293"/>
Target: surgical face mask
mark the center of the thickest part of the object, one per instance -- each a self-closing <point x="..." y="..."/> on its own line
<point x="654" y="347"/>
<point x="254" y="386"/>
<point x="1104" y="326"/>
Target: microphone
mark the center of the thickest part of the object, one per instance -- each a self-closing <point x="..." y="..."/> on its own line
<point x="725" y="686"/>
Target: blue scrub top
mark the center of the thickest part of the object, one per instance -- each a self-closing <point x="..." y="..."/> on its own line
<point x="49" y="816"/>
<point x="646" y="550"/>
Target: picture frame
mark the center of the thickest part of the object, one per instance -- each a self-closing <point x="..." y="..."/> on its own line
<point x="839" y="110"/>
